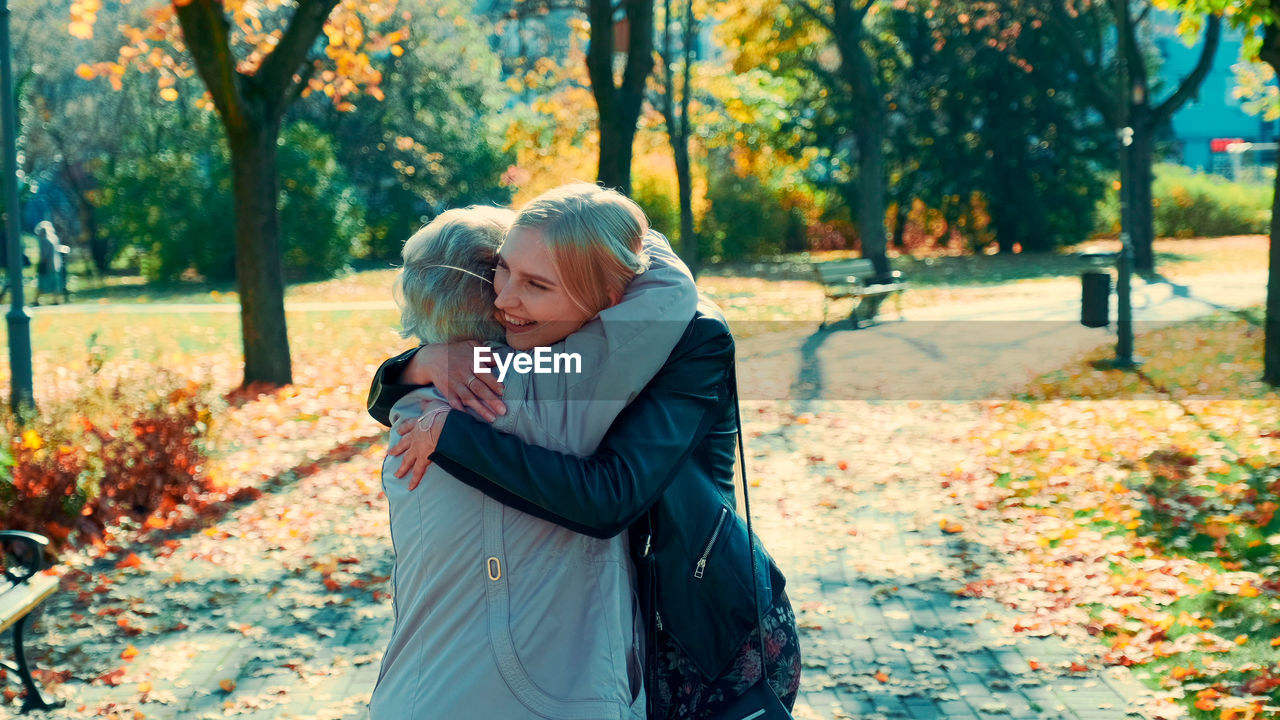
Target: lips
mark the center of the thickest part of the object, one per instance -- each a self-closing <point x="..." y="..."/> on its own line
<point x="514" y="324"/>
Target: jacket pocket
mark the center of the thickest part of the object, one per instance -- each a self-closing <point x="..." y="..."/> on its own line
<point x="717" y="531"/>
<point x="510" y="667"/>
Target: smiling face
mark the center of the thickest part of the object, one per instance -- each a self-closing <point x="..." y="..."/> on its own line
<point x="533" y="305"/>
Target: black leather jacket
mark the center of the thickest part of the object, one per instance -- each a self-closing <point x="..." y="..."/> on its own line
<point x="664" y="472"/>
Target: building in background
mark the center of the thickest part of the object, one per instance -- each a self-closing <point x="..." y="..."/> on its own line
<point x="1212" y="132"/>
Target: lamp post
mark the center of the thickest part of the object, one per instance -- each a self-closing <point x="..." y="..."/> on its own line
<point x="21" y="394"/>
<point x="1124" y="264"/>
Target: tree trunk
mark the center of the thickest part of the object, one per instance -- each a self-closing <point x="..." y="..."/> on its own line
<point x="1270" y="53"/>
<point x="1271" y="330"/>
<point x="688" y="240"/>
<point x="99" y="247"/>
<point x="616" y="138"/>
<point x="900" y="223"/>
<point x="859" y="72"/>
<point x="871" y="195"/>
<point x="1141" y="178"/>
<point x="619" y="105"/>
<point x="678" y="124"/>
<point x="259" y="265"/>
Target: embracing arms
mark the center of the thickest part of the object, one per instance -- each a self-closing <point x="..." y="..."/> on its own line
<point x="641" y="454"/>
<point x="621" y="349"/>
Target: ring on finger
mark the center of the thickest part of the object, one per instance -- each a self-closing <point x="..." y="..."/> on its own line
<point x="473" y="379"/>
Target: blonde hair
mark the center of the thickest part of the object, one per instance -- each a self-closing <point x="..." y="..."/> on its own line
<point x="594" y="236"/>
<point x="445" y="288"/>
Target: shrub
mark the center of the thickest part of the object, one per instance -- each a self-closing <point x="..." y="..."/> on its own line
<point x="660" y="203"/>
<point x="320" y="217"/>
<point x="173" y="210"/>
<point x="1191" y="204"/>
<point x="746" y="218"/>
<point x="119" y="449"/>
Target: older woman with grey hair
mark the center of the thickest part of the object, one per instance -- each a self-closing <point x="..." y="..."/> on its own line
<point x="499" y="614"/>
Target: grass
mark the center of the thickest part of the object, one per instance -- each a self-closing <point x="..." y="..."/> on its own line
<point x="331" y="348"/>
<point x="932" y="277"/>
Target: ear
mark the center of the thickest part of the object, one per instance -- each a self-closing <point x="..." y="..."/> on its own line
<point x="615" y="297"/>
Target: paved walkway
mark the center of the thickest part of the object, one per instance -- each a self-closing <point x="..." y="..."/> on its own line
<point x="966" y="352"/>
<point x="874" y="577"/>
<point x="281" y="609"/>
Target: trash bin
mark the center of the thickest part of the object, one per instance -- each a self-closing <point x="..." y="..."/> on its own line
<point x="1095" y="298"/>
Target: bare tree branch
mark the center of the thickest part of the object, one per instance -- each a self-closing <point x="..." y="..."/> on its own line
<point x="690" y="36"/>
<point x="275" y="76"/>
<point x="206" y="33"/>
<point x="830" y="77"/>
<point x="861" y="12"/>
<point x="1142" y="16"/>
<point x="299" y="85"/>
<point x="1134" y="63"/>
<point x="1191" y="83"/>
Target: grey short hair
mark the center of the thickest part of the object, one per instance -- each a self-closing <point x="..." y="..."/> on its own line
<point x="445" y="289"/>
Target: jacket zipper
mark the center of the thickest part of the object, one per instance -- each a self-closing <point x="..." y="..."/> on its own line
<point x="702" y="561"/>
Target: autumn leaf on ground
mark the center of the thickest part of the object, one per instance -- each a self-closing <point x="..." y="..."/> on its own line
<point x="113" y="678"/>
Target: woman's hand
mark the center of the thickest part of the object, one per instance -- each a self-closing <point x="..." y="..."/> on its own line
<point x="418" y="438"/>
<point x="449" y="367"/>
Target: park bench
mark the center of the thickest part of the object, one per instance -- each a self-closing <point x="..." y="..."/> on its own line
<point x="22" y="590"/>
<point x="854" y="279"/>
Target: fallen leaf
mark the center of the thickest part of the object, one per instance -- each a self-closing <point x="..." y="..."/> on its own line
<point x="131" y="561"/>
<point x="113" y="678"/>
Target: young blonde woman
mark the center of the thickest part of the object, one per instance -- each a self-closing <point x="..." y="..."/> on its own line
<point x="499" y="614"/>
<point x="663" y="473"/>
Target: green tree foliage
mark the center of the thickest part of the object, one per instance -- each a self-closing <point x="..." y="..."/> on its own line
<point x="748" y="217"/>
<point x="983" y="126"/>
<point x="432" y="142"/>
<point x="69" y="128"/>
<point x="1108" y="45"/>
<point x="989" y="108"/>
<point x="321" y="215"/>
<point x="166" y="198"/>
<point x="168" y="210"/>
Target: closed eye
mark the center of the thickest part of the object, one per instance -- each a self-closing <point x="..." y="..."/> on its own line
<point x="502" y="265"/>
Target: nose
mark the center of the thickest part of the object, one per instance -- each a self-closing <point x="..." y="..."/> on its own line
<point x="506" y="299"/>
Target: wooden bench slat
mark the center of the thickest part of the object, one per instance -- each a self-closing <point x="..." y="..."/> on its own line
<point x="864" y="290"/>
<point x="851" y="279"/>
<point x="19" y="600"/>
<point x="840" y="270"/>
